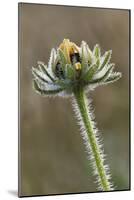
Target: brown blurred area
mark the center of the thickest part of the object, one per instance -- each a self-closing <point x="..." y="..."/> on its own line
<point x="52" y="153"/>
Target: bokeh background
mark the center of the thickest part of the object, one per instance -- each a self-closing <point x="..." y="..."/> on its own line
<point x="52" y="158"/>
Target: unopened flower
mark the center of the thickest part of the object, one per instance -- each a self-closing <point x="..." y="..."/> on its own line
<point x="71" y="67"/>
<point x="74" y="70"/>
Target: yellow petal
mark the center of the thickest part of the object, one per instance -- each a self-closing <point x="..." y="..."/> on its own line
<point x="68" y="48"/>
<point x="77" y="66"/>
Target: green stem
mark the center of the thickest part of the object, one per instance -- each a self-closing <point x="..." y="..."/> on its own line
<point x="94" y="146"/>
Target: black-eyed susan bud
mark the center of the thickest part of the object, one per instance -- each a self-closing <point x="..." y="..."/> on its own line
<point x="74" y="71"/>
<point x="71" y="65"/>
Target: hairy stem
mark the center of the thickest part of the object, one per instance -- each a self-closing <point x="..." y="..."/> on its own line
<point x="95" y="150"/>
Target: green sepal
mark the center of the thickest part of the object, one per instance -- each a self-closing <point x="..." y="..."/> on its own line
<point x="84" y="68"/>
<point x="62" y="83"/>
<point x="105" y="76"/>
<point x="96" y="51"/>
<point x="69" y="72"/>
<point x="45" y="92"/>
<point x="89" y="74"/>
<point x="36" y="74"/>
<point x="113" y="77"/>
<point x="86" y="54"/>
<point x="35" y="86"/>
<point x="107" y="57"/>
<point x="98" y="63"/>
<point x="43" y="68"/>
<point x="62" y="57"/>
<point x="90" y="55"/>
<point x="52" y="59"/>
<point x="54" y="64"/>
<point x="83" y="59"/>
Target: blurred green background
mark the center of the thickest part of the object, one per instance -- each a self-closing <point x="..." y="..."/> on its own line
<point x="52" y="154"/>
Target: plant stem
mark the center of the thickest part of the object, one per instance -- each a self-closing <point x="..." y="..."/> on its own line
<point x="96" y="152"/>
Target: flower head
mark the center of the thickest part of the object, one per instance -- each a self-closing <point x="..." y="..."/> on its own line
<point x="71" y="67"/>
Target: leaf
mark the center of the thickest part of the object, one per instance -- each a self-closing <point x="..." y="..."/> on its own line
<point x="106" y="58"/>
